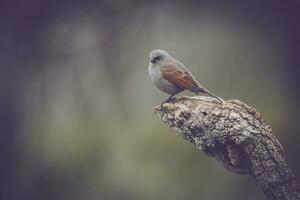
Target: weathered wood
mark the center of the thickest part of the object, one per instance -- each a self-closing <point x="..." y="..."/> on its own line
<point x="235" y="134"/>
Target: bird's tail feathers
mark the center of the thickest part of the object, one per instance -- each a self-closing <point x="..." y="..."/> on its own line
<point x="203" y="90"/>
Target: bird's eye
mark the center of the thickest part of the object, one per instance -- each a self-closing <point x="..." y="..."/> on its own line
<point x="157" y="57"/>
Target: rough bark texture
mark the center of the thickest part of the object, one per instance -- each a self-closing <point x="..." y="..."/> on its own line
<point x="235" y="134"/>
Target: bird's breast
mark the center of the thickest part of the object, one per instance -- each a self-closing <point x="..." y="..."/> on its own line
<point x="160" y="82"/>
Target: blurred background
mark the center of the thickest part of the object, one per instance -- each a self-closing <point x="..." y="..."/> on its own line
<point x="76" y="100"/>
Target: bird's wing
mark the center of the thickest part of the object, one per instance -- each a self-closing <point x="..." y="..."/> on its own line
<point x="179" y="77"/>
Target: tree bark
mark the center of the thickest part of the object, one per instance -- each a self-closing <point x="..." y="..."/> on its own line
<point x="235" y="134"/>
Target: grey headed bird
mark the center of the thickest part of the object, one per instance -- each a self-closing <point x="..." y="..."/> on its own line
<point x="172" y="77"/>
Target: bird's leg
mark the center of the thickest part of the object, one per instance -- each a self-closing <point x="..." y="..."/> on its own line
<point x="170" y="98"/>
<point x="167" y="100"/>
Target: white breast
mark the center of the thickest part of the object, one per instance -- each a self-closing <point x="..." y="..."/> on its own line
<point x="160" y="82"/>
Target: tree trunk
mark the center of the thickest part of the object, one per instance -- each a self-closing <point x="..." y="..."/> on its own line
<point x="235" y="134"/>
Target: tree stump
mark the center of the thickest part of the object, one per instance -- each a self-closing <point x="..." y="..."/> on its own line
<point x="236" y="135"/>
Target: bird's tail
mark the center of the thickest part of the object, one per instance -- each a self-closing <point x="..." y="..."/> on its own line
<point x="203" y="90"/>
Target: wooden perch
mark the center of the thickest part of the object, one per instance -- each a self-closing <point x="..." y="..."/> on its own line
<point x="235" y="134"/>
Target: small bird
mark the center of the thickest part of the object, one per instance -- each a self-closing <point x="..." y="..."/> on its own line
<point x="172" y="77"/>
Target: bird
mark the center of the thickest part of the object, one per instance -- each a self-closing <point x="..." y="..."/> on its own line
<point x="172" y="77"/>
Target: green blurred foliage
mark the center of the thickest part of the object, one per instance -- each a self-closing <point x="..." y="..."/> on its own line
<point x="85" y="127"/>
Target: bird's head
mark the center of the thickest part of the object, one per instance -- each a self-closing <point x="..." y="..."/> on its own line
<point x="158" y="56"/>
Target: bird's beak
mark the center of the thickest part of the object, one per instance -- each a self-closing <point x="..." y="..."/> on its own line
<point x="153" y="60"/>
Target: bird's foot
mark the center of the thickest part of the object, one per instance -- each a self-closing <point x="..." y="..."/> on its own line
<point x="167" y="101"/>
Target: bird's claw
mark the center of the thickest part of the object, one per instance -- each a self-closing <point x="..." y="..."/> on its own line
<point x="166" y="101"/>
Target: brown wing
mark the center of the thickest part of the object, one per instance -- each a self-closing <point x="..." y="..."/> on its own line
<point x="179" y="77"/>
